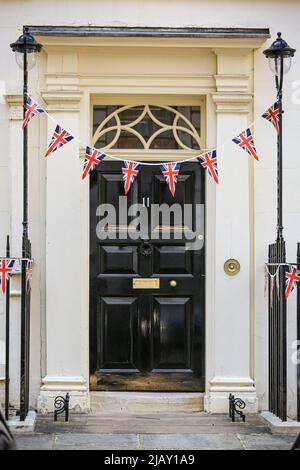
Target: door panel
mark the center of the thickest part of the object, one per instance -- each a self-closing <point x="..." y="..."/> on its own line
<point x="146" y="339"/>
<point x="185" y="188"/>
<point x="117" y="320"/>
<point x="172" y="259"/>
<point x="116" y="260"/>
<point x="172" y="333"/>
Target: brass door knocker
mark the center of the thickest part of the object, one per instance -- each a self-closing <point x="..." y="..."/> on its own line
<point x="146" y="249"/>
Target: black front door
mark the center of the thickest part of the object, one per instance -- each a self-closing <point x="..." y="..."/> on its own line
<point x="146" y="284"/>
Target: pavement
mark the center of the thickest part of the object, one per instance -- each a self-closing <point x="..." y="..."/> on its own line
<point x="152" y="432"/>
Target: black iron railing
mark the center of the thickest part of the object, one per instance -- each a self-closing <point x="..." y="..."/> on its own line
<point x="26" y="265"/>
<point x="25" y="333"/>
<point x="7" y="338"/>
<point x="298" y="336"/>
<point x="277" y="331"/>
<point x="277" y="268"/>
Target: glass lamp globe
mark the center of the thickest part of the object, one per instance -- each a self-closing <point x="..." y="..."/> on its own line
<point x="26" y="42"/>
<point x="275" y="65"/>
<point x="31" y="59"/>
<point x="280" y="56"/>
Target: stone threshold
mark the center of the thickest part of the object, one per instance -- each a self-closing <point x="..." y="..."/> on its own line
<point x="146" y="402"/>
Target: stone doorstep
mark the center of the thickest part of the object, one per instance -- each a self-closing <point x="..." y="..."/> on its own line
<point x="17" y="426"/>
<point x="145" y="402"/>
<point x="280" y="427"/>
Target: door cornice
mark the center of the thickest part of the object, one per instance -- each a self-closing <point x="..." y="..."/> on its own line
<point x="125" y="31"/>
<point x="252" y="38"/>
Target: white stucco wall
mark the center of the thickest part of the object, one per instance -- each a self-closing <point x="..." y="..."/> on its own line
<point x="275" y="14"/>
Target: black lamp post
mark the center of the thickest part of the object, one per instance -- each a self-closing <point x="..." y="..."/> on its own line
<point x="26" y="50"/>
<point x="280" y="59"/>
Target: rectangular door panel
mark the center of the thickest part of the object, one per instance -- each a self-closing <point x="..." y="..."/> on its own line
<point x="117" y="330"/>
<point x="108" y="187"/>
<point x="172" y="332"/>
<point x="118" y="260"/>
<point x="184" y="195"/>
<point x="172" y="259"/>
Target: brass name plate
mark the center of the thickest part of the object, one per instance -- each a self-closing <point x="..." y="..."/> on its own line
<point x="146" y="283"/>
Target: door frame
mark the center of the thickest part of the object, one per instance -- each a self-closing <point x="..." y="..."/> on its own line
<point x="161" y="155"/>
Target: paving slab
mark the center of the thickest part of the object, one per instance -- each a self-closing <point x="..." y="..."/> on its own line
<point x="34" y="441"/>
<point x="266" y="442"/>
<point x="75" y="441"/>
<point x="190" y="441"/>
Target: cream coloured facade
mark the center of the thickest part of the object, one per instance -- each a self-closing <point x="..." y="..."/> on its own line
<point x="229" y="79"/>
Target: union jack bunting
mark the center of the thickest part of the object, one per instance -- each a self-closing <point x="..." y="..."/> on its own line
<point x="130" y="171"/>
<point x="60" y="137"/>
<point x="170" y="172"/>
<point x="272" y="115"/>
<point x="32" y="109"/>
<point x="292" y="276"/>
<point x="209" y="162"/>
<point x="92" y="158"/>
<point x="28" y="274"/>
<point x="6" y="267"/>
<point x="246" y="142"/>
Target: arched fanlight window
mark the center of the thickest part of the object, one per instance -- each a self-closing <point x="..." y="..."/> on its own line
<point x="148" y="127"/>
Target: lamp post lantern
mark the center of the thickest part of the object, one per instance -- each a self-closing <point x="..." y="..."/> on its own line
<point x="280" y="56"/>
<point x="26" y="50"/>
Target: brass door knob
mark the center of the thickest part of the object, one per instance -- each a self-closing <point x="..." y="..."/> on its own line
<point x="173" y="283"/>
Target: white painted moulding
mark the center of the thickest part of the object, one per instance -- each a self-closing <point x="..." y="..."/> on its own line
<point x="69" y="383"/>
<point x="52" y="386"/>
<point x="232" y="384"/>
<point x="216" y="400"/>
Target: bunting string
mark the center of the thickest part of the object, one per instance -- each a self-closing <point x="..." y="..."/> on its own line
<point x="130" y="168"/>
<point x="291" y="278"/>
<point x="272" y="278"/>
<point x="114" y="157"/>
<point x="8" y="267"/>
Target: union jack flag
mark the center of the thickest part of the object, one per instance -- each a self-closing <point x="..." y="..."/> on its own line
<point x="170" y="172"/>
<point x="246" y="142"/>
<point x="209" y="162"/>
<point x="272" y="115"/>
<point x="32" y="109"/>
<point x="292" y="276"/>
<point x="6" y="267"/>
<point x="28" y="274"/>
<point x="92" y="158"/>
<point x="130" y="171"/>
<point x="60" y="137"/>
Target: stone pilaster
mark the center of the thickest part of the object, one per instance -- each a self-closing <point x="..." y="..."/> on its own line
<point x="230" y="368"/>
<point x="66" y="365"/>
